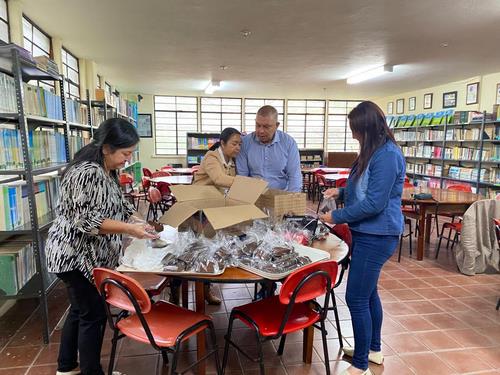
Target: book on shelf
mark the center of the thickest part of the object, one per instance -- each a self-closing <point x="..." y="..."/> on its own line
<point x="427" y="119"/>
<point x="402" y="121"/>
<point x="17" y="265"/>
<point x="8" y="102"/>
<point x="77" y="112"/>
<point x="14" y="205"/>
<point x="438" y="118"/>
<point x="201" y="143"/>
<point x="47" y="64"/>
<point x="41" y="102"/>
<point x="389" y="120"/>
<point x="193" y="160"/>
<point x="46" y="147"/>
<point x="77" y="140"/>
<point x="410" y="119"/>
<point x="418" y="119"/>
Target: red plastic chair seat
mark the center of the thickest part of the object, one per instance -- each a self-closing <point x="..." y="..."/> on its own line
<point x="453" y="226"/>
<point x="268" y="314"/>
<point x="164" y="331"/>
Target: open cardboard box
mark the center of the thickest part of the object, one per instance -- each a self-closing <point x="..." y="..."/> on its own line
<point x="220" y="211"/>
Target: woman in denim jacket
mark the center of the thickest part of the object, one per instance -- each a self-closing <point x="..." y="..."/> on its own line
<point x="372" y="209"/>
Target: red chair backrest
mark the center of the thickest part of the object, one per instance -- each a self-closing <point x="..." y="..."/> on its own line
<point x="164" y="188"/>
<point x="145" y="183"/>
<point x="319" y="171"/>
<point x="341" y="182"/>
<point x="320" y="178"/>
<point x="407" y="179"/>
<point x="154" y="195"/>
<point x="161" y="174"/>
<point x="314" y="287"/>
<point x="465" y="188"/>
<point x="166" y="168"/>
<point x="147" y="172"/>
<point x="125" y="179"/>
<point x="344" y="172"/>
<point x="115" y="296"/>
<point x="408" y="185"/>
<point x="343" y="232"/>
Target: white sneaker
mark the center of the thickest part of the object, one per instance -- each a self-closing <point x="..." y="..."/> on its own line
<point x="72" y="372"/>
<point x="366" y="372"/>
<point x="375" y="357"/>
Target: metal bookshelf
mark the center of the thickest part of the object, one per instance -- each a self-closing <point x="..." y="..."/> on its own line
<point x="442" y="161"/>
<point x="23" y="70"/>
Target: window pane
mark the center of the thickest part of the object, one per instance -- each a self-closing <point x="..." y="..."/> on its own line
<point x="339" y="133"/>
<point x="4" y="31"/>
<point x="38" y="52"/>
<point x="306" y="122"/>
<point x="27" y="29"/>
<point x="73" y="75"/>
<point x="219" y="113"/>
<point x="174" y="117"/>
<point x="3" y="10"/>
<point x="75" y="91"/>
<point x="253" y="105"/>
<point x="41" y="40"/>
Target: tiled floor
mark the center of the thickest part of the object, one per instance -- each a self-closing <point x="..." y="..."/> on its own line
<point x="436" y="322"/>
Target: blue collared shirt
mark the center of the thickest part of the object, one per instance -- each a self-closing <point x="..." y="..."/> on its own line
<point x="277" y="162"/>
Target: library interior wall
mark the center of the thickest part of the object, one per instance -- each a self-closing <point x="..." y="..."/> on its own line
<point x="486" y="100"/>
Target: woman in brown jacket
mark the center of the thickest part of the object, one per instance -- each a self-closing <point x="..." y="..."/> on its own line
<point x="218" y="167"/>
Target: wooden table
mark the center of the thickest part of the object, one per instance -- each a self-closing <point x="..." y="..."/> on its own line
<point x="237" y="275"/>
<point x="331" y="170"/>
<point x="444" y="201"/>
<point x="173" y="180"/>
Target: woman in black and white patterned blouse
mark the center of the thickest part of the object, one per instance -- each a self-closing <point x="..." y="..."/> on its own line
<point x="91" y="217"/>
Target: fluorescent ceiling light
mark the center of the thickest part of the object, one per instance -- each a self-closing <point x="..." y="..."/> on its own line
<point x="212" y="86"/>
<point x="369" y="74"/>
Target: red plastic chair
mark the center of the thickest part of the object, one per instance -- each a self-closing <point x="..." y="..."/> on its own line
<point x="167" y="199"/>
<point x="343" y="232"/>
<point x="161" y="174"/>
<point x="154" y="198"/>
<point x="166" y="168"/>
<point x="163" y="325"/>
<point x="294" y="309"/>
<point x="147" y="172"/>
<point x="344" y="172"/>
<point x="408" y="185"/>
<point x="127" y="183"/>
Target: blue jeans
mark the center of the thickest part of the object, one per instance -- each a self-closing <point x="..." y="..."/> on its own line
<point x="369" y="254"/>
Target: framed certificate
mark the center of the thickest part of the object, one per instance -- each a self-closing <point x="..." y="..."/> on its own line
<point x="144" y="126"/>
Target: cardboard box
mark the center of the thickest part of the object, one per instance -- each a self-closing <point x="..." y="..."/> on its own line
<point x="280" y="202"/>
<point x="205" y="209"/>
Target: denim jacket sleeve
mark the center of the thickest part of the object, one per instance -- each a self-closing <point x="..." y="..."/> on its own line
<point x="384" y="170"/>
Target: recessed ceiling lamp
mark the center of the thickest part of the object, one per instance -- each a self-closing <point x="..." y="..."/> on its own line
<point x="223" y="67"/>
<point x="444" y="44"/>
<point x="246" y="33"/>
<point x="369" y="74"/>
<point x="212" y="86"/>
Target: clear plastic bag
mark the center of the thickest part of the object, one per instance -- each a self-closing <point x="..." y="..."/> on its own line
<point x="327" y="205"/>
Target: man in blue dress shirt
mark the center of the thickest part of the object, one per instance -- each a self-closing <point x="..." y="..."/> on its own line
<point x="270" y="154"/>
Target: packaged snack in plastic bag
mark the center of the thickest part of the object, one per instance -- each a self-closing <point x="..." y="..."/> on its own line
<point x="327" y="205"/>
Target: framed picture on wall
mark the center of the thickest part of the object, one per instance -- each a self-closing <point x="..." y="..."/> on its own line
<point x="390" y="106"/>
<point x="144" y="125"/>
<point x="497" y="101"/>
<point x="412" y="103"/>
<point x="472" y="93"/>
<point x="450" y="99"/>
<point x="428" y="101"/>
<point x="400" y="106"/>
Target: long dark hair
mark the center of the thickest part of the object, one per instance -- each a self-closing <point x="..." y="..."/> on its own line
<point x="116" y="133"/>
<point x="226" y="134"/>
<point x="367" y="120"/>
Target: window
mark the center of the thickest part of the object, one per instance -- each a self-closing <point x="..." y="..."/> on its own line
<point x="36" y="41"/>
<point x="339" y="133"/>
<point x="174" y="117"/>
<point x="253" y="105"/>
<point x="220" y="113"/>
<point x="4" y="22"/>
<point x="71" y="73"/>
<point x="306" y="122"/>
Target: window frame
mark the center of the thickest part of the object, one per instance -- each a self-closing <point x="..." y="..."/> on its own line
<point x="244" y="112"/>
<point x="66" y="67"/>
<point x="306" y="114"/>
<point x="346" y="123"/>
<point x="221" y="112"/>
<point x="197" y="112"/>
<point x="6" y="21"/>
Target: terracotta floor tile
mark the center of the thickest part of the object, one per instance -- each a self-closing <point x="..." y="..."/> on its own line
<point x="475" y="319"/>
<point x="336" y="367"/>
<point x="391" y="326"/>
<point x="386" y="296"/>
<point x="423" y="307"/>
<point x="438" y="340"/>
<point x="397" y="308"/>
<point x="18" y="356"/>
<point x="421" y="272"/>
<point x="400" y="274"/>
<point x="406" y="295"/>
<point x="456" y="291"/>
<point x="415" y="323"/>
<point x="437" y="281"/>
<point x="478" y="303"/>
<point x="445" y="321"/>
<point x="464" y="361"/>
<point x="392" y="365"/>
<point x="404" y="343"/>
<point x="481" y="290"/>
<point x="426" y="364"/>
<point x="271" y="359"/>
<point x="269" y="370"/>
<point x="461" y="280"/>
<point x="492" y="334"/>
<point x="334" y="351"/>
<point x="236" y="293"/>
<point x="490" y="355"/>
<point x="306" y="369"/>
<point x="432" y="293"/>
<point x="450" y="304"/>
<point x="14" y="371"/>
<point x="48" y="355"/>
<point x="390" y="284"/>
<point x="469" y="338"/>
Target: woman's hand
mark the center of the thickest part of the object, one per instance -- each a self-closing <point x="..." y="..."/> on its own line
<point x="327" y="218"/>
<point x="141" y="231"/>
<point x="331" y="193"/>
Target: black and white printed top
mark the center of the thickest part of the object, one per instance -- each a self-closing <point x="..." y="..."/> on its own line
<point x="87" y="196"/>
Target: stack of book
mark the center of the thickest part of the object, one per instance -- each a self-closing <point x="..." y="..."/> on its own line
<point x="17" y="264"/>
<point x="47" y="64"/>
<point x="41" y="102"/>
<point x="196" y="143"/>
<point x="77" y="140"/>
<point x="77" y="113"/>
<point x="7" y="94"/>
<point x="14" y="206"/>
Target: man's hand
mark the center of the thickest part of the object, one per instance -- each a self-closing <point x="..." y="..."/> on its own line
<point x="331" y="193"/>
<point x="327" y="218"/>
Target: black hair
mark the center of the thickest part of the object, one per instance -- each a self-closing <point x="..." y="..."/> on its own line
<point x="116" y="133"/>
<point x="225" y="136"/>
<point x="368" y="121"/>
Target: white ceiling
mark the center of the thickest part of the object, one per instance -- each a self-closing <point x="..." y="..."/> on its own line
<point x="297" y="48"/>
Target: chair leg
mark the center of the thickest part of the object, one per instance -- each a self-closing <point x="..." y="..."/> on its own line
<point x="498" y="304"/>
<point x="282" y="345"/>
<point x="409" y="238"/>
<point x="261" y="355"/>
<point x="455" y="240"/>
<point x="173" y="366"/>
<point x="337" y="319"/>
<point x="165" y="357"/>
<point x="400" y="247"/>
<point x="439" y="242"/>
<point x="114" y="341"/>
<point x="211" y="329"/>
<point x="325" y="347"/>
<point x="226" y="344"/>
